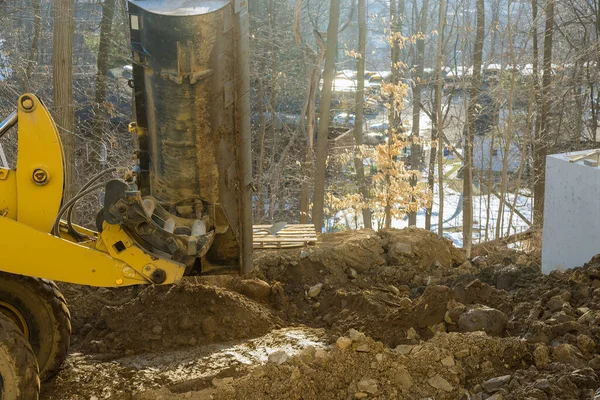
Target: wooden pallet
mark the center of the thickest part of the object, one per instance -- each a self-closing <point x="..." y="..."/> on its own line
<point x="293" y="235"/>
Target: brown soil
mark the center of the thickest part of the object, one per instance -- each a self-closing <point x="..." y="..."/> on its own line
<point x="437" y="326"/>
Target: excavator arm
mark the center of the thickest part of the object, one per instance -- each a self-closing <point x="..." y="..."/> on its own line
<point x="131" y="248"/>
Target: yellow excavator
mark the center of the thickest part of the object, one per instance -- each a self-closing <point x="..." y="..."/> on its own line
<point x="184" y="206"/>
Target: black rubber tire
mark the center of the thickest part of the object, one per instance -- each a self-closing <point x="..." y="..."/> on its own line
<point x="19" y="379"/>
<point x="44" y="310"/>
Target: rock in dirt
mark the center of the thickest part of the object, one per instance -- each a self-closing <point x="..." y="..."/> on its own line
<point x="440" y="383"/>
<point x="314" y="291"/>
<point x="455" y="310"/>
<point x="412" y="334"/>
<point x="404" y="379"/>
<point x="363" y="348"/>
<point x="403" y="349"/>
<point x="321" y="355"/>
<point x="256" y="289"/>
<point x="491" y="321"/>
<point x="542" y="384"/>
<point x="566" y="354"/>
<point x="405" y="302"/>
<point x="448" y="361"/>
<point x="585" y="343"/>
<point x="555" y="304"/>
<point x="278" y="357"/>
<point x="493" y="384"/>
<point x="368" y="386"/>
<point x="343" y="343"/>
<point x="218" y="382"/>
<point x="541" y="356"/>
<point x="356" y="336"/>
<point x="351" y="273"/>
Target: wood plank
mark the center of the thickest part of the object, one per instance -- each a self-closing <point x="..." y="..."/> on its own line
<point x="291" y="236"/>
<point x="289" y="240"/>
<point x="286" y="234"/>
<point x="289" y="225"/>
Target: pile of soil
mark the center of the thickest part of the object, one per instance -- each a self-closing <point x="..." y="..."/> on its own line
<point x="168" y="317"/>
<point x="388" y="314"/>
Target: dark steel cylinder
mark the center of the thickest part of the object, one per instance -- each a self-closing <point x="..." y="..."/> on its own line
<point x="191" y="95"/>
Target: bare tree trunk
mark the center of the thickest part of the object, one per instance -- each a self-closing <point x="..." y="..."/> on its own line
<point x="489" y="191"/>
<point x="98" y="123"/>
<point x="440" y="118"/>
<point x="470" y="132"/>
<point x="321" y="154"/>
<point x="541" y="146"/>
<point x="595" y="107"/>
<point x="360" y="107"/>
<point x="37" y="25"/>
<point x="416" y="110"/>
<point x="432" y="158"/>
<point x="394" y="118"/>
<point x="509" y="133"/>
<point x="526" y="135"/>
<point x="260" y="204"/>
<point x="62" y="64"/>
<point x="314" y="78"/>
<point x="494" y="30"/>
<point x="303" y="202"/>
<point x="272" y="109"/>
<point x="580" y="94"/>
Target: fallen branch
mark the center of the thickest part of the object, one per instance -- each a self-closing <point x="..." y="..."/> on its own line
<point x="483" y="248"/>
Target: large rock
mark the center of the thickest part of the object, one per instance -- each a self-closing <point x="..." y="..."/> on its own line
<point x="440" y="383"/>
<point x="403" y="378"/>
<point x="491" y="321"/>
<point x="585" y="343"/>
<point x="368" y="386"/>
<point x="278" y="357"/>
<point x="556" y="303"/>
<point x="541" y="356"/>
<point x="566" y="354"/>
<point x="255" y="289"/>
<point x="493" y="384"/>
<point x="314" y="291"/>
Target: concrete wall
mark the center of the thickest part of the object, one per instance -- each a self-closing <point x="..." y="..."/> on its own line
<point x="571" y="233"/>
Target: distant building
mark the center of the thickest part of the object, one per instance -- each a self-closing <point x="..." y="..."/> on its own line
<point x="483" y="154"/>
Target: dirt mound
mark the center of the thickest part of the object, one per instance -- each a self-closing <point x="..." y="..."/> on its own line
<point x="174" y="316"/>
<point x="419" y="248"/>
<point x="449" y="366"/>
<point x="410" y="256"/>
<point x="176" y="371"/>
<point x="358" y="367"/>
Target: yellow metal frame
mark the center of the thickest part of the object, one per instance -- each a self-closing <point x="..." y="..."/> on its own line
<point x="30" y="199"/>
<point x="40" y="155"/>
<point x="28" y="251"/>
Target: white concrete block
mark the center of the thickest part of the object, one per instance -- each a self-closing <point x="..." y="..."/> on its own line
<point x="571" y="234"/>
